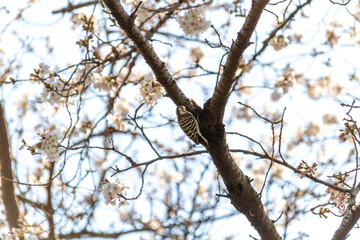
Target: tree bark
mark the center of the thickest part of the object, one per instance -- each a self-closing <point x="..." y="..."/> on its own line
<point x="221" y="94"/>
<point x="7" y="184"/>
<point x="242" y="195"/>
<point x="349" y="220"/>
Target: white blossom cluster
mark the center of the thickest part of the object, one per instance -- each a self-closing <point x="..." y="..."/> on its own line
<point x="113" y="191"/>
<point x="279" y="42"/>
<point x="312" y="130"/>
<point x="44" y="70"/>
<point x="48" y="145"/>
<point x="203" y="192"/>
<point x="117" y="118"/>
<point x="332" y="37"/>
<point x="102" y="83"/>
<point x="87" y="23"/>
<point x="55" y="88"/>
<point x="52" y="84"/>
<point x="143" y="13"/>
<point x="150" y="90"/>
<point x="22" y="104"/>
<point x="156" y="225"/>
<point x="288" y="80"/>
<point x="50" y="95"/>
<point x="17" y="234"/>
<point x="196" y="54"/>
<point x="246" y="67"/>
<point x="324" y="86"/>
<point x="169" y="177"/>
<point x="243" y="113"/>
<point x="340" y="198"/>
<point x="193" y="21"/>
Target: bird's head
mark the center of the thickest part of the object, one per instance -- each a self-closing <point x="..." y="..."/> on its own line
<point x="181" y="110"/>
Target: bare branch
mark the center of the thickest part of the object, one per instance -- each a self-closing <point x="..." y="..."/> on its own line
<point x="142" y="129"/>
<point x="217" y="102"/>
<point x="72" y="7"/>
<point x="280" y="27"/>
<point x="294" y="169"/>
<point x="341" y="3"/>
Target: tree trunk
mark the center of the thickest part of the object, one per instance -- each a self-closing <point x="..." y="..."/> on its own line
<point x="7" y="184"/>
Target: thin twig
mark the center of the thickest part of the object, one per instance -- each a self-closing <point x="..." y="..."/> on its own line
<point x="142" y="129"/>
<point x="161" y="158"/>
<point x="72" y="7"/>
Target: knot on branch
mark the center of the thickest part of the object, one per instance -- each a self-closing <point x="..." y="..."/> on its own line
<point x="212" y="130"/>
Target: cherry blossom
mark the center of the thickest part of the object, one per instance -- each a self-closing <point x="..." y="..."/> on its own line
<point x="113" y="191"/>
<point x="150" y="90"/>
<point x="193" y="21"/>
<point x="48" y="144"/>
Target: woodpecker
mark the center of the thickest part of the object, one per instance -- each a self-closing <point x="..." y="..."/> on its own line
<point x="189" y="125"/>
